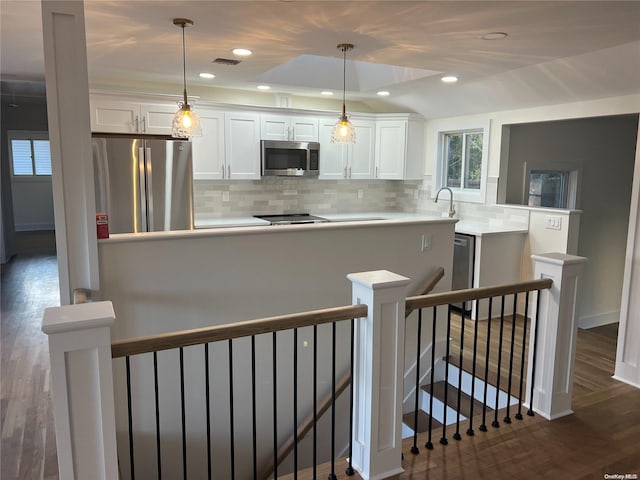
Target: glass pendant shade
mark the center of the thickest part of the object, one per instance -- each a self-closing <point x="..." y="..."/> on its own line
<point x="186" y="123"/>
<point x="343" y="131"/>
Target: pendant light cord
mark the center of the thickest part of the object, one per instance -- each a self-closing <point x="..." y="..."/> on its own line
<point x="184" y="66"/>
<point x="344" y="80"/>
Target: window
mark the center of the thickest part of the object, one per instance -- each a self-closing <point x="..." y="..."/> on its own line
<point x="463" y="160"/>
<point x="461" y="154"/>
<point x="30" y="155"/>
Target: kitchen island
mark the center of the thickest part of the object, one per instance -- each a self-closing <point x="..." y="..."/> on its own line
<point x="165" y="281"/>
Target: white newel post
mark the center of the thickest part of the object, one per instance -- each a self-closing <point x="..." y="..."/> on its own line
<point x="82" y="388"/>
<point x="377" y="374"/>
<point x="556" y="334"/>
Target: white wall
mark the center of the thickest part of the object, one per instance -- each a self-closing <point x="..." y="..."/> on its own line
<point x="33" y="204"/>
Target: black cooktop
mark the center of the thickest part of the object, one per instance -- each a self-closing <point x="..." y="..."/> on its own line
<point x="288" y="218"/>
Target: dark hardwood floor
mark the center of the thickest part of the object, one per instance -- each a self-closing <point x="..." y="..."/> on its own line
<point x="29" y="285"/>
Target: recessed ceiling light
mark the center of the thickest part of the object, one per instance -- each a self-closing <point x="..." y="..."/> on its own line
<point x="263" y="87"/>
<point x="449" y="79"/>
<point x="383" y="93"/>
<point x="494" y="36"/>
<point x="207" y="75"/>
<point x="242" y="52"/>
<point x="326" y="93"/>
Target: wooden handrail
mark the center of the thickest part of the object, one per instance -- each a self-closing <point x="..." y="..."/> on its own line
<point x="343" y="383"/>
<point x="185" y="338"/>
<point x="423" y="301"/>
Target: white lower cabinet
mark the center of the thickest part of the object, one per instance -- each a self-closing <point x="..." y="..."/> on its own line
<point x="242" y="146"/>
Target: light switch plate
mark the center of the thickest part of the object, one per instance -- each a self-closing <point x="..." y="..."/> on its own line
<point x="225" y="196"/>
<point x="554" y="223"/>
<point x="425" y="246"/>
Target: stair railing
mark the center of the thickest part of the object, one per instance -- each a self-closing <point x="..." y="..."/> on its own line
<point x="323" y="406"/>
<point x="83" y="387"/>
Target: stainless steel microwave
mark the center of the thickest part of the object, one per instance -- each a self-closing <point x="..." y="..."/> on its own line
<point x="290" y="159"/>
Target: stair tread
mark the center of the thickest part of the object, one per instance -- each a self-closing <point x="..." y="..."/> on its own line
<point x="452" y="398"/>
<point x="423" y="421"/>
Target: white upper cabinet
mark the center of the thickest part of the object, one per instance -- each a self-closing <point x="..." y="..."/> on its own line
<point x="208" y="150"/>
<point x="339" y="161"/>
<point x="242" y="146"/>
<point x="291" y="128"/>
<point x="399" y="151"/>
<point x="113" y="115"/>
<point x="362" y="153"/>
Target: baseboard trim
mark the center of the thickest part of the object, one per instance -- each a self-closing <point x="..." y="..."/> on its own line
<point x="34" y="227"/>
<point x="599" y="320"/>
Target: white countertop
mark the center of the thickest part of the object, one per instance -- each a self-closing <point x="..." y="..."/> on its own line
<point x="248" y="226"/>
<point x="479" y="229"/>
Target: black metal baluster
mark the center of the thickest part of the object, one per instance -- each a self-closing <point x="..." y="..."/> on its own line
<point x="315" y="400"/>
<point x="429" y="443"/>
<point x="535" y="352"/>
<point x="457" y="436"/>
<point x="332" y="475"/>
<point x="275" y="411"/>
<point x="295" y="403"/>
<point x="507" y="418"/>
<point x="524" y="342"/>
<point x="444" y="440"/>
<point x="130" y="418"/>
<point x="157" y="402"/>
<point x="414" y="449"/>
<point x="232" y="443"/>
<point x="350" y="471"/>
<point x="470" y="431"/>
<point x="254" y="440"/>
<point x="495" y="422"/>
<point x="183" y="410"/>
<point x="483" y="427"/>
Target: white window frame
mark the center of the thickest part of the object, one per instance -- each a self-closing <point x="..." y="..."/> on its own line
<point x="26" y="135"/>
<point x="440" y="180"/>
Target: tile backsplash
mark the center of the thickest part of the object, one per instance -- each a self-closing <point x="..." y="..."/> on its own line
<point x="218" y="198"/>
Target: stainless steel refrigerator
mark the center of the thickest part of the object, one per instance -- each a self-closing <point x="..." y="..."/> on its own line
<point x="143" y="184"/>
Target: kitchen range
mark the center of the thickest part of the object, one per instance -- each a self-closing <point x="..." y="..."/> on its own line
<point x="291" y="219"/>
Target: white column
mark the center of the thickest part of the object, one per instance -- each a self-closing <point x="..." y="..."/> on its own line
<point x="82" y="388"/>
<point x="65" y="57"/>
<point x="628" y="351"/>
<point x="557" y="328"/>
<point x="377" y="375"/>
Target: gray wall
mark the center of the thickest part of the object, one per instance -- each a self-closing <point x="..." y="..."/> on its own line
<point x="603" y="149"/>
<point x="31" y="115"/>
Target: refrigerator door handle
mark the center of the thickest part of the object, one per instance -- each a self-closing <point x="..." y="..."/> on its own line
<point x="143" y="190"/>
<point x="148" y="172"/>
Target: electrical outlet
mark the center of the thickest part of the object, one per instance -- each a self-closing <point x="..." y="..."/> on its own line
<point x="225" y="196"/>
<point x="360" y="193"/>
<point x="554" y="223"/>
<point x="425" y="245"/>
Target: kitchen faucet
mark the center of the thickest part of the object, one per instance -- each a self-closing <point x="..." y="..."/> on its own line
<point x="452" y="211"/>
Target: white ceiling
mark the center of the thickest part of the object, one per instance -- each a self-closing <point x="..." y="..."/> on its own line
<point x="555" y="52"/>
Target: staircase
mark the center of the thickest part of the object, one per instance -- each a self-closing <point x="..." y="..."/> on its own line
<point x="445" y="399"/>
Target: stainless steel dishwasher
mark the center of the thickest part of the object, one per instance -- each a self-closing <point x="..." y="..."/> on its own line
<point x="464" y="248"/>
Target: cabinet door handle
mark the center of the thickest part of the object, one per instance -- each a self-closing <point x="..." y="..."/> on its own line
<point x="144" y="127"/>
<point x="222" y="167"/>
<point x="349" y="171"/>
<point x="376" y="176"/>
<point x="293" y="133"/>
<point x="135" y="123"/>
<point x="228" y="171"/>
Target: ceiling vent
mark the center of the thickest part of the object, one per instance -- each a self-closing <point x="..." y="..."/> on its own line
<point x="226" y="61"/>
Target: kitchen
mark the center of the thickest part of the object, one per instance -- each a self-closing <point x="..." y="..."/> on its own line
<point x="443" y="108"/>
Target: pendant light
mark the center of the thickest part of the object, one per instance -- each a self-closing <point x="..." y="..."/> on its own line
<point x="343" y="131"/>
<point x="186" y="123"/>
